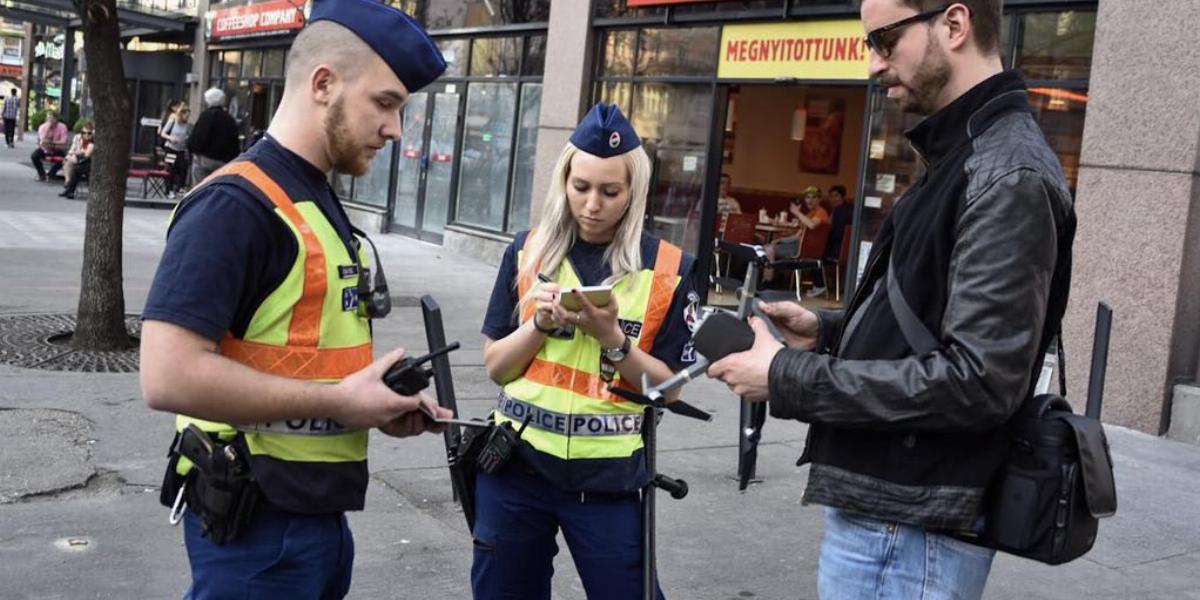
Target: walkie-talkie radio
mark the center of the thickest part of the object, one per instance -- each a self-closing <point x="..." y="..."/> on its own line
<point x="501" y="444"/>
<point x="408" y="376"/>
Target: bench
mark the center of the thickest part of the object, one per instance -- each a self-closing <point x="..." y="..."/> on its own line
<point x="154" y="181"/>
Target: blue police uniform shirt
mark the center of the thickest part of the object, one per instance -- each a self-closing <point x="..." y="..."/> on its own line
<point x="672" y="345"/>
<point x="227" y="250"/>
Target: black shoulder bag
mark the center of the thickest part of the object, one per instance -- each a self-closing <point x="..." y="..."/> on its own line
<point x="1047" y="498"/>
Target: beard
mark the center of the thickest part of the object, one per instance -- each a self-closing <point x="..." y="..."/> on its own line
<point x="347" y="157"/>
<point x="930" y="78"/>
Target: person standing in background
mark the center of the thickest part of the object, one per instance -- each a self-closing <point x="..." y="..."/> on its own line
<point x="12" y="108"/>
<point x="175" y="135"/>
<point x="214" y="139"/>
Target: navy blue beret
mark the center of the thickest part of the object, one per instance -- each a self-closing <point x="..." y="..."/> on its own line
<point x="395" y="37"/>
<point x="605" y="132"/>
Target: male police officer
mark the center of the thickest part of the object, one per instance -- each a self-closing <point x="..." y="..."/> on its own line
<point x="903" y="443"/>
<point x="255" y="317"/>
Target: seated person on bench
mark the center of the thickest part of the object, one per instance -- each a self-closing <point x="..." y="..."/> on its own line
<point x="53" y="139"/>
<point x="79" y="160"/>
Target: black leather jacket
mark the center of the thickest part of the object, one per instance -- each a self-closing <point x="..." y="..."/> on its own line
<point x="917" y="439"/>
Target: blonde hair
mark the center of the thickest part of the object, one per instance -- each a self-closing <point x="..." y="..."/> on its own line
<point x="557" y="230"/>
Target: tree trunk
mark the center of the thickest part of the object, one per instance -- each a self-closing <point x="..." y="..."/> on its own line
<point x="101" y="313"/>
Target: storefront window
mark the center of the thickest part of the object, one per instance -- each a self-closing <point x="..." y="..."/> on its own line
<point x="412" y="145"/>
<point x="1056" y="46"/>
<point x="341" y="184"/>
<point x="1006" y="50"/>
<point x="1060" y="114"/>
<point x="455" y="54"/>
<point x="231" y="62"/>
<point x="535" y="55"/>
<point x="492" y="57"/>
<point x="615" y="92"/>
<point x="617" y="59"/>
<point x="673" y="121"/>
<point x="251" y="63"/>
<point x="372" y="187"/>
<point x="457" y="14"/>
<point x="525" y="158"/>
<point x="239" y="106"/>
<point x="486" y="154"/>
<point x="273" y="61"/>
<point x="678" y="51"/>
<point x="892" y="167"/>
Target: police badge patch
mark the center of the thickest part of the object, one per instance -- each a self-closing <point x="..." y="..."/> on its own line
<point x="350" y="298"/>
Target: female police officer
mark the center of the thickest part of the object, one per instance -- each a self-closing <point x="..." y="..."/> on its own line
<point x="580" y="464"/>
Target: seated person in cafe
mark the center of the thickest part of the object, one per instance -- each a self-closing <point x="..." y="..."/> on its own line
<point x="83" y="161"/>
<point x="53" y="140"/>
<point x="81" y="150"/>
<point x="808" y="211"/>
<point x="842" y="214"/>
<point x="727" y="204"/>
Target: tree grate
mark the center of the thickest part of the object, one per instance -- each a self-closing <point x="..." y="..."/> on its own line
<point x="39" y="341"/>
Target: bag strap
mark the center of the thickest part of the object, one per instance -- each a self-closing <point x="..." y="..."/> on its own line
<point x="918" y="336"/>
<point x="1095" y="462"/>
<point x="1062" y="363"/>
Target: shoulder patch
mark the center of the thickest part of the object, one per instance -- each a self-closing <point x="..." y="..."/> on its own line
<point x="691" y="312"/>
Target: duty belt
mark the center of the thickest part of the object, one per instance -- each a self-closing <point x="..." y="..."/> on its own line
<point x="569" y="424"/>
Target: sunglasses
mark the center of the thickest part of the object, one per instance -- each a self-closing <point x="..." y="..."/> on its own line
<point x="883" y="40"/>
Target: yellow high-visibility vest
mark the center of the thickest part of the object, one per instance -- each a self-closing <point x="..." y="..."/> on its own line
<point x="303" y="330"/>
<point x="572" y="414"/>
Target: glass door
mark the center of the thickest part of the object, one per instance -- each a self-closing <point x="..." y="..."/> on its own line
<point x="410" y="173"/>
<point x="440" y="167"/>
<point x="427" y="162"/>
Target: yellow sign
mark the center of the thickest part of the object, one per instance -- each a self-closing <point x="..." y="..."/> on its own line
<point x="801" y="49"/>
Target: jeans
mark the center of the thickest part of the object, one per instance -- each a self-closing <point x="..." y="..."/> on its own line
<point x="281" y="556"/>
<point x="10" y="129"/>
<point x="867" y="559"/>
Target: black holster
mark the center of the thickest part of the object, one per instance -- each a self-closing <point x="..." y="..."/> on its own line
<point x="224" y="497"/>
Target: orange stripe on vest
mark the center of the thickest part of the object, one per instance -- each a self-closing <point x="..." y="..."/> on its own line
<point x="301" y="358"/>
<point x="305" y="328"/>
<point x="560" y="376"/>
<point x="298" y="362"/>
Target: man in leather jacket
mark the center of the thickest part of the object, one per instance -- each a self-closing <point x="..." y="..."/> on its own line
<point x="903" y="446"/>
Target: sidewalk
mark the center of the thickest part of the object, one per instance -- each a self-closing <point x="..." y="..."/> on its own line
<point x="83" y="458"/>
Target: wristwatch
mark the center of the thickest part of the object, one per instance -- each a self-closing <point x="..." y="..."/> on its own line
<point x="616" y="355"/>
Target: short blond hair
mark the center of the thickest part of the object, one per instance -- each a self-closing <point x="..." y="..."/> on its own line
<point x="327" y="43"/>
